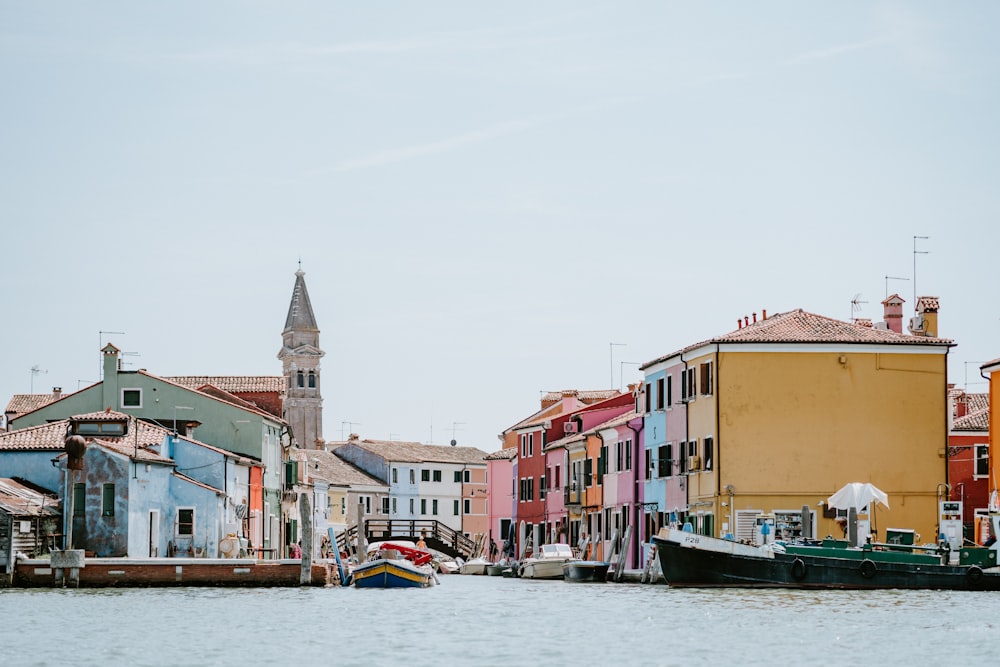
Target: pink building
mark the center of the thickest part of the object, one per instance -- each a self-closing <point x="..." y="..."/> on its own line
<point x="500" y="481"/>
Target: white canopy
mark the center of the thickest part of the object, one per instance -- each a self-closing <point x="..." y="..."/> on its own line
<point x="857" y="495"/>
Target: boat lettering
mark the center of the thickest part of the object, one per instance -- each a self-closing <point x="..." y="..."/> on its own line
<point x="691" y="539"/>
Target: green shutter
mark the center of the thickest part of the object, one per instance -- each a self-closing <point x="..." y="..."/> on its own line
<point x="108" y="500"/>
<point x="79" y="500"/>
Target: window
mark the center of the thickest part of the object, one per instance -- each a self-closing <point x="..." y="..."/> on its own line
<point x="312" y="380"/>
<point x="628" y="455"/>
<point x="385" y="505"/>
<point x="708" y="446"/>
<point x="619" y="456"/>
<point x="300" y="379"/>
<point x="602" y="464"/>
<point x="131" y="398"/>
<point x="670" y="390"/>
<point x="468" y="506"/>
<point x="588" y="472"/>
<point x="531" y="444"/>
<point x="425" y="475"/>
<point x="982" y="460"/>
<point x="99" y="428"/>
<point x="649" y="397"/>
<point x="411" y="506"/>
<point x="555" y="483"/>
<point x="649" y="464"/>
<point x="108" y="500"/>
<point x="79" y="499"/>
<point x="524" y="445"/>
<point x="394" y="508"/>
<point x="681" y="448"/>
<point x="423" y="506"/>
<point x="434" y="506"/>
<point x="660" y="397"/>
<point x="456" y="508"/>
<point x="458" y="476"/>
<point x="684" y="387"/>
<point x="468" y="477"/>
<point x="395" y="475"/>
<point x="706" y="378"/>
<point x="413" y="476"/>
<point x="664" y="460"/>
<point x="437" y="475"/>
<point x="541" y="488"/>
<point x="185" y="521"/>
<point x="692" y="389"/>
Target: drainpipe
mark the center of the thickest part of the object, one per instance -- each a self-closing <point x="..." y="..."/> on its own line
<point x="717" y="449"/>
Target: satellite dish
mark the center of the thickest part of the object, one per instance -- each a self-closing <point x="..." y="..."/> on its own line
<point x="229" y="546"/>
<point x="454" y="442"/>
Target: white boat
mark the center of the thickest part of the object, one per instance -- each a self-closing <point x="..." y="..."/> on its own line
<point x="547" y="563"/>
<point x="447" y="566"/>
<point x="474" y="566"/>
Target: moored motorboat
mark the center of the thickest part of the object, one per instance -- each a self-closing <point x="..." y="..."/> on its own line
<point x="496" y="569"/>
<point x="687" y="559"/>
<point x="394" y="565"/>
<point x="546" y="563"/>
<point x="586" y="570"/>
<point x="474" y="566"/>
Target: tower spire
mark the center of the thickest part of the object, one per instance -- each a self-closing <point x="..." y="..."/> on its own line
<point x="300" y="356"/>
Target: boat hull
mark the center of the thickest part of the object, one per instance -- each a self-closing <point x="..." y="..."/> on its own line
<point x="586" y="570"/>
<point x="695" y="560"/>
<point x="158" y="572"/>
<point x="387" y="573"/>
<point x="474" y="567"/>
<point x="542" y="569"/>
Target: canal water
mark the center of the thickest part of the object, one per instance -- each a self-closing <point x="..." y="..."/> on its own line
<point x="494" y="621"/>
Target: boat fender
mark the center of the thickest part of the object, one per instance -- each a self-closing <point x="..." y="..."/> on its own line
<point x="867" y="568"/>
<point x="974" y="575"/>
<point x="798" y="568"/>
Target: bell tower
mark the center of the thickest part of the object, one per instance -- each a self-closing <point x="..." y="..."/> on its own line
<point x="300" y="355"/>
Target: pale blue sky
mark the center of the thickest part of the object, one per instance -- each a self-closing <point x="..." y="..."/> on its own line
<point x="484" y="196"/>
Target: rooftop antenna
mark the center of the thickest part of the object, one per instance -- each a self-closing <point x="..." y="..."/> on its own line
<point x="36" y="370"/>
<point x="887" y="279"/>
<point x="856" y="305"/>
<point x="978" y="363"/>
<point x="350" y="426"/>
<point x="621" y="371"/>
<point x="915" y="253"/>
<point x="100" y="355"/>
<point x="613" y="346"/>
<point x="454" y="427"/>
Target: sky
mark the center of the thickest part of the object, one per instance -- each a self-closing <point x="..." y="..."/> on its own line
<point x="489" y="200"/>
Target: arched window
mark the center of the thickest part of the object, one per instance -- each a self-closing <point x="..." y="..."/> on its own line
<point x="312" y="380"/>
<point x="301" y="379"/>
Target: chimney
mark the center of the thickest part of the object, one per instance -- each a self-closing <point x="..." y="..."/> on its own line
<point x="927" y="311"/>
<point x="57" y="393"/>
<point x="863" y="321"/>
<point x="763" y="314"/>
<point x="892" y="309"/>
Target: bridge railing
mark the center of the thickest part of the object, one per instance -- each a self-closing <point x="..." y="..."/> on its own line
<point x="379" y="529"/>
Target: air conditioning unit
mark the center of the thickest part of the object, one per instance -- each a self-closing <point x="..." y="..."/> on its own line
<point x="694" y="463"/>
<point x="881" y="326"/>
<point x="917" y="324"/>
<point x="570" y="427"/>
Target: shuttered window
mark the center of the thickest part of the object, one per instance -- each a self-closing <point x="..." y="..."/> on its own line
<point x="108" y="500"/>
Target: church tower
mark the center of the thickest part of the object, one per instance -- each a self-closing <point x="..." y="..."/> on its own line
<point x="300" y="355"/>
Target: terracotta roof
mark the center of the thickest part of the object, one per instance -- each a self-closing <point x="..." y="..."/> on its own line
<point x="928" y="303"/>
<point x="799" y="326"/>
<point x="51" y="437"/>
<point x="234" y="384"/>
<point x="415" y="452"/>
<point x="502" y="455"/>
<point x="584" y="396"/>
<point x="20" y="404"/>
<point x="20" y="500"/>
<point x="565" y="440"/>
<point x="974" y="421"/>
<point x="334" y="470"/>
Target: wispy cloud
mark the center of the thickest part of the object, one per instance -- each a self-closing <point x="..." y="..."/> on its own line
<point x="836" y="51"/>
<point x="394" y="155"/>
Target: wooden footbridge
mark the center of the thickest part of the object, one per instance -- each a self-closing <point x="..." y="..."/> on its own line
<point x="439" y="537"/>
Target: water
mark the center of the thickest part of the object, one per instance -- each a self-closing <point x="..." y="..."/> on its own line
<point x="486" y="621"/>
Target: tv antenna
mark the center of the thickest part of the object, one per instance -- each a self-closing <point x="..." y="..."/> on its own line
<point x="454" y="427"/>
<point x="36" y="370"/>
<point x="915" y="253"/>
<point x="856" y="305"/>
<point x="100" y="345"/>
<point x="887" y="279"/>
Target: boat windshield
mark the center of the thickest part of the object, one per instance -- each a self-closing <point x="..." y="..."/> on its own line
<point x="556" y="551"/>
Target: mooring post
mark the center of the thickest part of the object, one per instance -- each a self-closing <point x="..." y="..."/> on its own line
<point x="305" y="519"/>
<point x="362" y="538"/>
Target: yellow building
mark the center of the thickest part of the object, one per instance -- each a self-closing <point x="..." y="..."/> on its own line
<point x="991" y="369"/>
<point x="784" y="411"/>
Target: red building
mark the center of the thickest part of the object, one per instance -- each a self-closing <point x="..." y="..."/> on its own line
<point x="969" y="457"/>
